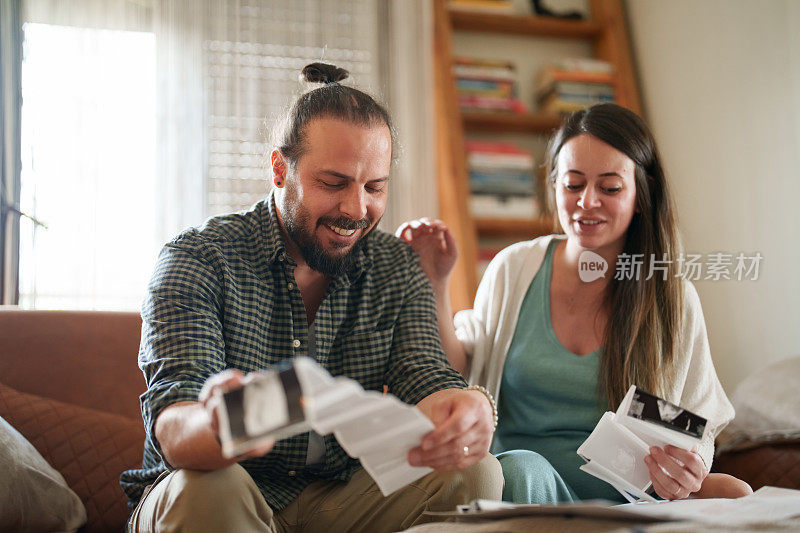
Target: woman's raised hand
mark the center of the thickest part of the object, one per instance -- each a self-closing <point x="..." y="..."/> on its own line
<point x="435" y="246"/>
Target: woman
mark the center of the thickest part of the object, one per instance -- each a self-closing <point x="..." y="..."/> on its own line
<point x="557" y="351"/>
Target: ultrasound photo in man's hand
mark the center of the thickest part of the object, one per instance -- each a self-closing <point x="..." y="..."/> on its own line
<point x="645" y="406"/>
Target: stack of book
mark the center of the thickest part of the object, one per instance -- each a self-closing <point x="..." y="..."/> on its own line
<point x="488" y="6"/>
<point x="487" y="85"/>
<point x="573" y="84"/>
<point x="501" y="180"/>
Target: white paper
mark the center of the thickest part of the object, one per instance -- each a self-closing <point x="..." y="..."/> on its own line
<point x="761" y="507"/>
<point x="765" y="506"/>
<point x="378" y="429"/>
<point x="616" y="448"/>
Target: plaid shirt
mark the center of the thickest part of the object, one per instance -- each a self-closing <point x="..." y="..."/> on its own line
<point x="224" y="296"/>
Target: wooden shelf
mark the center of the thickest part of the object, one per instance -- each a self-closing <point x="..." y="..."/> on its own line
<point x="514" y="227"/>
<point x="524" y="25"/>
<point x="605" y="32"/>
<point x="509" y="122"/>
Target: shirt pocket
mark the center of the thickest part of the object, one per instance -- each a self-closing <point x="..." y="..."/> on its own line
<point x="363" y="356"/>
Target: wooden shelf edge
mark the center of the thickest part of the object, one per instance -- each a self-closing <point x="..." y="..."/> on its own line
<point x="534" y="227"/>
<point x="524" y="25"/>
<point x="504" y="122"/>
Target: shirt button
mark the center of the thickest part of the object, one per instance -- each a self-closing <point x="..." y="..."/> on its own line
<point x="290" y="286"/>
<point x="296" y="343"/>
<point x="291" y="473"/>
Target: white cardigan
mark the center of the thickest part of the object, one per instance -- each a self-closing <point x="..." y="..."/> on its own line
<point x="487" y="330"/>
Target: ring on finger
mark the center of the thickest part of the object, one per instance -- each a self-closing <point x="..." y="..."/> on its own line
<point x="466" y="451"/>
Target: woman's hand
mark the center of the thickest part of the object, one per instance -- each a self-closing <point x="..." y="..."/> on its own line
<point x="435" y="246"/>
<point x="675" y="473"/>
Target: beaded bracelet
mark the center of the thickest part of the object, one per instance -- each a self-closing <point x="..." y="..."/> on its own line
<point x="488" y="397"/>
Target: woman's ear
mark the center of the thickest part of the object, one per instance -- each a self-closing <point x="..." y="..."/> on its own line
<point x="279" y="168"/>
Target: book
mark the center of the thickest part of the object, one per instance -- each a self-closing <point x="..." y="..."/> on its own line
<point x="487" y="84"/>
<point x="583" y="64"/>
<point x="489" y="6"/>
<point x="567" y="103"/>
<point x="488" y="103"/>
<point x="579" y="89"/>
<point x="616" y="448"/>
<point x="552" y="73"/>
<point x="504" y="206"/>
<point x="503" y="170"/>
<point x="300" y="395"/>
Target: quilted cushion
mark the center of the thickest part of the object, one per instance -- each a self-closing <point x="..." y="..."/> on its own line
<point x="90" y="448"/>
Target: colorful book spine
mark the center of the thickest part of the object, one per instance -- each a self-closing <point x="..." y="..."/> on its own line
<point x="487" y="85"/>
<point x="501" y="179"/>
<point x="570" y="85"/>
<point x="490" y="6"/>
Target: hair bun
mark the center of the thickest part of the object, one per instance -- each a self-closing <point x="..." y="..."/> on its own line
<point x="323" y="73"/>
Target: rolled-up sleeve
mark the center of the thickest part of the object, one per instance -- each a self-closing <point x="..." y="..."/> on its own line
<point x="418" y="366"/>
<point x="182" y="342"/>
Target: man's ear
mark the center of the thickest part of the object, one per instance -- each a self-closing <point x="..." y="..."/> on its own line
<point x="279" y="168"/>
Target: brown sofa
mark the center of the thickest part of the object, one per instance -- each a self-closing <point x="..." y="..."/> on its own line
<point x="69" y="382"/>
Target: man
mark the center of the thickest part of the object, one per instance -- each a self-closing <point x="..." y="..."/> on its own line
<point x="303" y="272"/>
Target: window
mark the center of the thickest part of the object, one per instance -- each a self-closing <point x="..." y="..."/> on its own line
<point x="141" y="118"/>
<point x="88" y="167"/>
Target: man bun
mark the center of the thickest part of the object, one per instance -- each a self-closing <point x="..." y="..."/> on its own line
<point x="323" y="73"/>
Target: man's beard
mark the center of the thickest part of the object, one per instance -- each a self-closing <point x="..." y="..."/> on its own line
<point x="296" y="219"/>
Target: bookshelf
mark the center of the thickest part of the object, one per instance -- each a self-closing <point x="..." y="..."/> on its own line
<point x="607" y="39"/>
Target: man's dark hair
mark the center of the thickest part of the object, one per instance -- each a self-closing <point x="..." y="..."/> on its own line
<point x="332" y="100"/>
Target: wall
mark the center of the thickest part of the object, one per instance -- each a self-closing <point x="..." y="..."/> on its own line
<point x="720" y="81"/>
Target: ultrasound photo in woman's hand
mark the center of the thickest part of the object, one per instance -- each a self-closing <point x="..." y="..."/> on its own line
<point x="647" y="407"/>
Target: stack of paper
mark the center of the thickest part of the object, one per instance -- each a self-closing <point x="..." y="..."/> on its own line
<point x="378" y="429"/>
<point x="616" y="449"/>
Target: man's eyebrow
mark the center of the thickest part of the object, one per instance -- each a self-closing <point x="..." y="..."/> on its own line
<point x="336" y="174"/>
<point x="346" y="177"/>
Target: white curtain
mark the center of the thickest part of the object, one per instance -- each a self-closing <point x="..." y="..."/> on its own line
<point x="408" y="74"/>
<point x="142" y="117"/>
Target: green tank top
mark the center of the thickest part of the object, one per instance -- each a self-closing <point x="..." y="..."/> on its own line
<point x="548" y="400"/>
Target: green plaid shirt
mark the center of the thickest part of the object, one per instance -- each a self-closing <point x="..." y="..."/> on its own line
<point x="224" y="296"/>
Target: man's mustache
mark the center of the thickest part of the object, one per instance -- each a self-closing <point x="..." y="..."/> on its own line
<point x="346" y="223"/>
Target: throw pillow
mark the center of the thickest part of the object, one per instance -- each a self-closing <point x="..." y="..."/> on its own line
<point x="34" y="495"/>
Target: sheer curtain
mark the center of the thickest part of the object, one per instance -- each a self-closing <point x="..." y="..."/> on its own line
<point x="407" y="75"/>
<point x="140" y="118"/>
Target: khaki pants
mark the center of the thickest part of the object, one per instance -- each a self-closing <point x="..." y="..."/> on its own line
<point x="228" y="500"/>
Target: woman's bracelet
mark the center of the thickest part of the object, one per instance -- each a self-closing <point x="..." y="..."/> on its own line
<point x="488" y="397"/>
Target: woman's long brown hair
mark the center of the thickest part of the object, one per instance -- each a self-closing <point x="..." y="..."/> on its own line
<point x="644" y="315"/>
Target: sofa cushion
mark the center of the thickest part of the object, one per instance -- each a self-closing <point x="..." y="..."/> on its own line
<point x="85" y="358"/>
<point x="34" y="495"/>
<point x="89" y="448"/>
<point x="777" y="465"/>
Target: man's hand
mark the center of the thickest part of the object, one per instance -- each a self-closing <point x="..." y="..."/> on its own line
<point x="189" y="431"/>
<point x="208" y="398"/>
<point x="463" y="432"/>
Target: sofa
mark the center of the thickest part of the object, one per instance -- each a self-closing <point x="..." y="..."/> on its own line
<point x="69" y="383"/>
